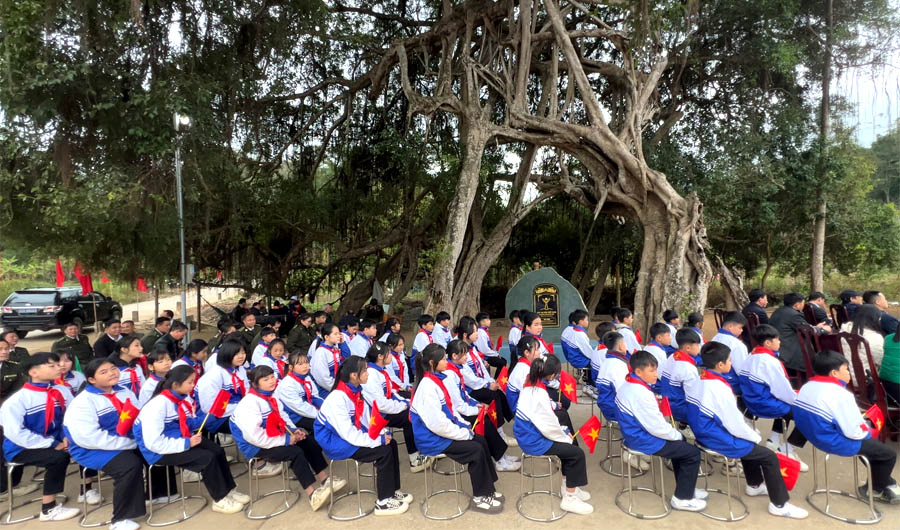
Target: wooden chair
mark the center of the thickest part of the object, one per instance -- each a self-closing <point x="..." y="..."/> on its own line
<point x="747" y="335"/>
<point x="839" y="315"/>
<point x="809" y="345"/>
<point x="719" y="315"/>
<point x="809" y="314"/>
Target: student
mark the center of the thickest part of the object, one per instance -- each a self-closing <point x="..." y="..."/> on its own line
<point x="160" y="328"/>
<point x="274" y="358"/>
<point x="107" y="344"/>
<point x="211" y="360"/>
<point x="342" y="430"/>
<point x="32" y="430"/>
<point x="767" y="392"/>
<point x="266" y="336"/>
<point x="171" y="341"/>
<point x="226" y="327"/>
<point x="599" y="353"/>
<point x="299" y="394"/>
<point x="398" y="369"/>
<point x="680" y="377"/>
<point x="440" y="430"/>
<point x="827" y="413"/>
<point x="485" y="345"/>
<point x="166" y="433"/>
<point x="646" y="430"/>
<point x="695" y="322"/>
<point x="228" y="374"/>
<point x="442" y="334"/>
<point x="611" y="374"/>
<point x="260" y="436"/>
<point x="90" y="427"/>
<point x="349" y="326"/>
<point x="515" y="335"/>
<point x="540" y="432"/>
<point x="326" y="361"/>
<point x="718" y="424"/>
<point x="478" y="379"/>
<point x="730" y="335"/>
<point x="660" y="340"/>
<point x="131" y="376"/>
<point x="364" y="338"/>
<point x="69" y="382"/>
<point x="533" y="326"/>
<point x="193" y="356"/>
<point x="423" y="337"/>
<point x="625" y="320"/>
<point x="575" y="342"/>
<point x="159" y="364"/>
<point x="380" y="390"/>
<point x="391" y="326"/>
<point x="673" y="320"/>
<point x="530" y="349"/>
<point x="11" y="379"/>
<point x="74" y="342"/>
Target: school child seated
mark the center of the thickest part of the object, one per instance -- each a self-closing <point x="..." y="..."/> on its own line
<point x="530" y="349"/>
<point x="32" y="430"/>
<point x="194" y="355"/>
<point x="298" y="393"/>
<point x="533" y="326"/>
<point x="266" y="336"/>
<point x="625" y="320"/>
<point x="730" y="335"/>
<point x="827" y="414"/>
<point x="680" y="377"/>
<point x="440" y="430"/>
<point x="660" y="340"/>
<point x="166" y="431"/>
<point x="767" y="392"/>
<point x="349" y="325"/>
<point x="611" y="374"/>
<point x="342" y="429"/>
<point x="598" y="354"/>
<point x="274" y="358"/>
<point x="325" y="362"/>
<point x="673" y="320"/>
<point x="469" y="408"/>
<point x="398" y="369"/>
<point x="364" y="338"/>
<point x="90" y="427"/>
<point x="478" y="379"/>
<point x="69" y="382"/>
<point x="391" y="326"/>
<point x="159" y="363"/>
<point x="695" y="322"/>
<point x="575" y="343"/>
<point x="393" y="407"/>
<point x="442" y="333"/>
<point x="514" y="336"/>
<point x="645" y="429"/>
<point x="131" y="376"/>
<point x="211" y="362"/>
<point x="719" y="425"/>
<point x="263" y="430"/>
<point x="485" y="345"/>
<point x="229" y="375"/>
<point x="423" y="338"/>
<point x="540" y="432"/>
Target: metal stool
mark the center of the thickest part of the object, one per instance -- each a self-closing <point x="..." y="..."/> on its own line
<point x="658" y="483"/>
<point x="826" y="510"/>
<point x="358" y="492"/>
<point x="551" y="492"/>
<point x="606" y="463"/>
<point x="6" y="518"/>
<point x="84" y="505"/>
<point x="448" y="473"/>
<point x="241" y="470"/>
<point x="183" y="499"/>
<point x="708" y="454"/>
<point x="462" y="498"/>
<point x="290" y="497"/>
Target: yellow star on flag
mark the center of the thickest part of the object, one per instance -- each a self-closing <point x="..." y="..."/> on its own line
<point x="878" y="424"/>
<point x="372" y="421"/>
<point x="124" y="415"/>
<point x="504" y="380"/>
<point x="594" y="434"/>
<point x="783" y="472"/>
<point x="493" y="414"/>
<point x="569" y="389"/>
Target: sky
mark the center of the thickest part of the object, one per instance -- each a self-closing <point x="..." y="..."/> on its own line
<point x="875" y="97"/>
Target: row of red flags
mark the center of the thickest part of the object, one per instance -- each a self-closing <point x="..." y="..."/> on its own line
<point x="87" y="283"/>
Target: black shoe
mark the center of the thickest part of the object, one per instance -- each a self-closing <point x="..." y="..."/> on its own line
<point x="890" y="494"/>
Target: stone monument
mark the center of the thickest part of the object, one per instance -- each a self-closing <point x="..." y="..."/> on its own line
<point x="549" y="295"/>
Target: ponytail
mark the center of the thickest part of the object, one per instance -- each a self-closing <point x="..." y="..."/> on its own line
<point x="527" y="343"/>
<point x="543" y="368"/>
<point x="176" y="376"/>
<point x="353" y="365"/>
<point x="376" y="350"/>
<point x="427" y="360"/>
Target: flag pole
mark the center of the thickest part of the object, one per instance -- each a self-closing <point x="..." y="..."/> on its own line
<point x="202" y="424"/>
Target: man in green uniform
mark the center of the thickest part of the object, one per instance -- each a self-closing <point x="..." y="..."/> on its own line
<point x="162" y="327"/>
<point x="249" y="329"/>
<point x="225" y="327"/>
<point x="17" y="354"/>
<point x="74" y="342"/>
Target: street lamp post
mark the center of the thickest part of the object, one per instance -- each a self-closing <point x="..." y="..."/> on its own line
<point x="182" y="124"/>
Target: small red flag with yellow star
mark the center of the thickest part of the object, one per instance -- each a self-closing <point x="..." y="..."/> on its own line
<point x="503" y="378"/>
<point x="568" y="386"/>
<point x="376" y="422"/>
<point x="790" y="470"/>
<point x="590" y="432"/>
<point x="492" y="412"/>
<point x="874" y="416"/>
<point x="126" y="418"/>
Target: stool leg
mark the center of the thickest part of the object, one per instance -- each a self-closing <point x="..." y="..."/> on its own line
<point x="728" y="487"/>
<point x="662" y="485"/>
<point x="250" y="476"/>
<point x="827" y="487"/>
<point x="359" y="487"/>
<point x="627" y="469"/>
<point x="9" y="492"/>
<point x="457" y="471"/>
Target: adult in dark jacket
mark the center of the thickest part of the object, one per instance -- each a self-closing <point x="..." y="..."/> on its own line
<point x="851" y="301"/>
<point x="888" y="321"/>
<point x="171" y="341"/>
<point x="816" y="301"/>
<point x="162" y="327"/>
<point x="17" y="353"/>
<point x="108" y="343"/>
<point x="300" y="338"/>
<point x="758" y="302"/>
<point x="74" y="342"/>
<point x="787" y="320"/>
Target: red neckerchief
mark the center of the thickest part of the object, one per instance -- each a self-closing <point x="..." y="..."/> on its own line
<point x="709" y="375"/>
<point x="335" y="357"/>
<point x="62" y="381"/>
<point x="759" y="350"/>
<point x="828" y="379"/>
<point x="135" y="382"/>
<point x="116" y="402"/>
<point x="630" y="378"/>
<point x="237" y="384"/>
<point x="54" y="398"/>
<point x="524" y="361"/>
<point x="183" y="409"/>
<point x="307" y="386"/>
<point x="681" y="356"/>
<point x="198" y="367"/>
<point x="430" y="339"/>
<point x="476" y="361"/>
<point x="601" y="347"/>
<point x="279" y="364"/>
<point x="547" y="347"/>
<point x="455" y="369"/>
<point x="619" y="356"/>
<point x="275" y="424"/>
<point x="402" y="374"/>
<point x="388" y="385"/>
<point x="356" y="399"/>
<point x="540" y="384"/>
<point x="440" y="384"/>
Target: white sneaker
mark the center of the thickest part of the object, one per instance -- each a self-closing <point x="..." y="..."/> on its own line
<point x="488" y="504"/>
<point x="690" y="505"/>
<point x="390" y="507"/>
<point x="510" y="440"/>
<point x="789" y="452"/>
<point x="270" y="469"/>
<point x="788" y="510"/>
<point x="319" y="497"/>
<point x="701" y="494"/>
<point x="757" y="491"/>
<point x="773" y="445"/>
<point x="124" y="524"/>
<point x="504" y="464"/>
<point x="190" y="476"/>
<point x="239" y="497"/>
<point x="571" y="503"/>
<point x="166" y="500"/>
<point x="405" y="498"/>
<point x="227" y="505"/>
<point x="92" y="497"/>
<point x="580" y="493"/>
<point x="636" y="462"/>
<point x="419" y="463"/>
<point x="339" y="483"/>
<point x="59" y="513"/>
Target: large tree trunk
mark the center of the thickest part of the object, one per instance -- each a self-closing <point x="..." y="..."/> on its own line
<point x="597" y="291"/>
<point x="732" y="281"/>
<point x="817" y="265"/>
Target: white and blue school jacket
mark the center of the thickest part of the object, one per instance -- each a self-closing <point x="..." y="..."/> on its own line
<point x="345" y="345"/>
<point x="514" y="336"/>
<point x="157" y="431"/>
<point x="208" y="388"/>
<point x="130" y="377"/>
<point x="765" y="388"/>
<point x="272" y="362"/>
<point x="375" y="391"/>
<point x="24" y="420"/>
<point x="484" y="344"/>
<point x="336" y="431"/>
<point x="258" y="352"/>
<point x="385" y="336"/>
<point x="463" y="403"/>
<point x="537" y="427"/>
<point x="672" y="331"/>
<point x="423" y="338"/>
<point x="398" y="370"/>
<point x="516" y="382"/>
<point x="359" y="345"/>
<point x="292" y="394"/>
<point x="597" y="357"/>
<point x="475" y="372"/>
<point x="658" y="351"/>
<point x="71" y="385"/>
<point x="433" y="423"/>
<point x="716" y="421"/>
<point x="441" y="335"/>
<point x="90" y="425"/>
<point x="699" y="333"/>
<point x="210" y="362"/>
<point x="576" y="346"/>
<point x="323" y="367"/>
<point x="739" y="356"/>
<point x="643" y="426"/>
<point x="631" y="342"/>
<point x="679" y="380"/>
<point x="827" y="414"/>
<point x="314" y="345"/>
<point x="248" y="425"/>
<point x="197" y="366"/>
<point x="148" y="388"/>
<point x="543" y="344"/>
<point x="610" y="378"/>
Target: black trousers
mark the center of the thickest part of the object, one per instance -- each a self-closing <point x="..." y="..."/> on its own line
<point x="892" y="390"/>
<point x="566" y="421"/>
<point x="882" y="459"/>
<point x="781" y="424"/>
<point x="476" y="454"/>
<point x="127" y="471"/>
<point x="160" y="475"/>
<point x="496" y="445"/>
<point x="686" y="462"/>
<point x="486" y="396"/>
<point x="555" y="396"/>
<point x="401" y="421"/>
<point x="295" y="456"/>
<point x="513" y="359"/>
<point x="761" y="465"/>
<point x="574" y="465"/>
<point x="208" y="459"/>
<point x="17" y="472"/>
<point x="55" y="462"/>
<point x="497" y="362"/>
<point x="307" y="424"/>
<point x="387" y="466"/>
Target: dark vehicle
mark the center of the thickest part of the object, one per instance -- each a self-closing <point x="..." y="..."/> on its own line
<point x="50" y="307"/>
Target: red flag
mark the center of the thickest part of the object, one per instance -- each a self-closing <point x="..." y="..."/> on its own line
<point x="550" y="348"/>
<point x="590" y="432"/>
<point x="220" y="404"/>
<point x="376" y="422"/>
<point x="503" y="378"/>
<point x="218" y="275"/>
<point x="874" y="416"/>
<point x="492" y="412"/>
<point x="790" y="470"/>
<point x="568" y="385"/>
<point x="499" y="342"/>
<point x="126" y="418"/>
<point x="637" y="335"/>
<point x="103" y="278"/>
<point x="665" y="407"/>
<point x="478" y="428"/>
<point x="141" y="285"/>
<point x="87" y="285"/>
<point x="60" y="275"/>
